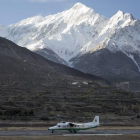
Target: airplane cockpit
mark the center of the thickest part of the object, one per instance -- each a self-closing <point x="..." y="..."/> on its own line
<point x="58" y="125"/>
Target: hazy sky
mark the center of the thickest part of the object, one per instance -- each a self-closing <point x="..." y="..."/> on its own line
<point x="12" y="11"/>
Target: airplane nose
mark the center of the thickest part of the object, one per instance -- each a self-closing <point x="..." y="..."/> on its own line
<point x="48" y="129"/>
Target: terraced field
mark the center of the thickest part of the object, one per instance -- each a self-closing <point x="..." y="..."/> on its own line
<point x="65" y="101"/>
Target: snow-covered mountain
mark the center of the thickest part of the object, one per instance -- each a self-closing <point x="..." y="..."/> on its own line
<point x="67" y="34"/>
<point x="79" y="35"/>
<point x="117" y="56"/>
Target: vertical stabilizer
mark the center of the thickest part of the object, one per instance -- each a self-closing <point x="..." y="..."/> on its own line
<point x="96" y="121"/>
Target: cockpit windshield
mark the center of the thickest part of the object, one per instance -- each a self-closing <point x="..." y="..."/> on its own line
<point x="58" y="125"/>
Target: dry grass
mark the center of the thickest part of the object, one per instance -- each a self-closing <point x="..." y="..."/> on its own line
<point x="125" y="137"/>
<point x="23" y="128"/>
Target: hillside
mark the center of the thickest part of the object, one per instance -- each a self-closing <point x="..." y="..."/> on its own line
<point x="34" y="88"/>
<point x="19" y="61"/>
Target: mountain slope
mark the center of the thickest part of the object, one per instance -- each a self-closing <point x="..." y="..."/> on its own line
<point x="69" y="36"/>
<point x="21" y="65"/>
<point x="112" y="66"/>
<point x="117" y="57"/>
<point x="50" y="55"/>
<point x="34" y="88"/>
<point x="18" y="64"/>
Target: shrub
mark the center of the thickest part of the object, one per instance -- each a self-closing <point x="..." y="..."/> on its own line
<point x="138" y="116"/>
<point x="52" y="113"/>
<point x="44" y="118"/>
<point x="37" y="94"/>
<point x="19" y="97"/>
<point x="31" y="112"/>
<point x="90" y="91"/>
<point x="78" y="96"/>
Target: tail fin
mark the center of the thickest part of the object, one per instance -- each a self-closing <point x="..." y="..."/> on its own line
<point x="96" y="121"/>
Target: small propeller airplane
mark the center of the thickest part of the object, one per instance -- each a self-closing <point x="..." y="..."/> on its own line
<point x="74" y="127"/>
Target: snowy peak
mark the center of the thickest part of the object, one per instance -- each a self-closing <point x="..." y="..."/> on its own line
<point x="115" y="23"/>
<point x="121" y="15"/>
<point x="80" y="6"/>
<point x="80" y="13"/>
<point x="122" y="33"/>
<point x="121" y="19"/>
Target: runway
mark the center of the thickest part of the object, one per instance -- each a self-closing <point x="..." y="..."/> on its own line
<point x="66" y="133"/>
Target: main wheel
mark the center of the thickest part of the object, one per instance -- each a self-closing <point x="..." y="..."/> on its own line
<point x="74" y="131"/>
<point x="52" y="131"/>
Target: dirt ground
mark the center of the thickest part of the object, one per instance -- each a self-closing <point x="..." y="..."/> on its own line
<point x="98" y="128"/>
<point x="124" y="137"/>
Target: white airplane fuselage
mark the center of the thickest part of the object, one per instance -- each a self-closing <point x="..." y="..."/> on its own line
<point x="74" y="127"/>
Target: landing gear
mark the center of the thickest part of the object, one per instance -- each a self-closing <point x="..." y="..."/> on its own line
<point x="73" y="131"/>
<point x="52" y="131"/>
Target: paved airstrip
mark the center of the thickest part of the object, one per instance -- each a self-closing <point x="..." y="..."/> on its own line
<point x="66" y="133"/>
